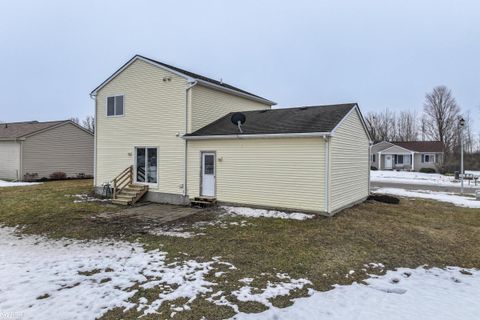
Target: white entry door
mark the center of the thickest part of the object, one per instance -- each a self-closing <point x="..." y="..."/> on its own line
<point x="388" y="161"/>
<point x="208" y="174"/>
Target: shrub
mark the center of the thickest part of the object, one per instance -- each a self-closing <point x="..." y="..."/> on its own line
<point x="58" y="175"/>
<point x="373" y="168"/>
<point x="427" y="170"/>
<point x="28" y="177"/>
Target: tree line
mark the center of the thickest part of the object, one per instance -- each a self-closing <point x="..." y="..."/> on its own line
<point x="87" y="123"/>
<point x="438" y="121"/>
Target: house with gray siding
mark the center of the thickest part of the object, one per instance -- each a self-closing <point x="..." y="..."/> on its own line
<point x="37" y="149"/>
<point x="407" y="155"/>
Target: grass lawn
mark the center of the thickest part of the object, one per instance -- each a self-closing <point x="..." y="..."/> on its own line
<point x="322" y="250"/>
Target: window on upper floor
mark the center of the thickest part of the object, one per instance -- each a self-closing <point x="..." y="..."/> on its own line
<point x="115" y="106"/>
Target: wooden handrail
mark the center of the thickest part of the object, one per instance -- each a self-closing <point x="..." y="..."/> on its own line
<point x="122" y="180"/>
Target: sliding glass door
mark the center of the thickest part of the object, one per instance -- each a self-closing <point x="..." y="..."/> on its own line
<point x="146" y="165"/>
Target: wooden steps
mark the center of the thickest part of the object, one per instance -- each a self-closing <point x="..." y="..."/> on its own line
<point x="130" y="194"/>
<point x="203" y="202"/>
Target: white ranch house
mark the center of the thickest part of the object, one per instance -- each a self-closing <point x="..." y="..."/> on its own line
<point x="167" y="132"/>
<point x="407" y="155"/>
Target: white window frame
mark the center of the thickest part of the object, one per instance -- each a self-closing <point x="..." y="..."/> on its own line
<point x="431" y="157"/>
<point x="114" y="106"/>
<point x="153" y="185"/>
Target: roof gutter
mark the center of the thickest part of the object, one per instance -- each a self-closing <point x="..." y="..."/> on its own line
<point x="258" y="136"/>
<point x="12" y="139"/>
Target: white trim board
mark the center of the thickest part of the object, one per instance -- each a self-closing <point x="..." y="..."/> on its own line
<point x="259" y="136"/>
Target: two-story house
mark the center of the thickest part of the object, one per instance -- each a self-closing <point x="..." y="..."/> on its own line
<point x="171" y="131"/>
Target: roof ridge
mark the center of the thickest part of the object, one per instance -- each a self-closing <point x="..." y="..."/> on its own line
<point x="411" y="141"/>
<point x="300" y="107"/>
<point x="33" y="122"/>
<point x="198" y="76"/>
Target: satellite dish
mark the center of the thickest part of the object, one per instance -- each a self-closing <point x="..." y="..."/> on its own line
<point x="238" y="119"/>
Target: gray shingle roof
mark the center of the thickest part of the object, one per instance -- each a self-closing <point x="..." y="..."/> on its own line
<point x="421" y="146"/>
<point x="15" y="130"/>
<point x="200" y="77"/>
<point x="186" y="73"/>
<point x="282" y="120"/>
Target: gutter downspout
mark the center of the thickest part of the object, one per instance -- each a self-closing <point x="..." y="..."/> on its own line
<point x="370" y="145"/>
<point x="327" y="176"/>
<point x="94" y="97"/>
<point x="185" y="151"/>
<point x="20" y="174"/>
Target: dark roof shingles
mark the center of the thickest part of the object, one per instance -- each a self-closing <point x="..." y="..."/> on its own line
<point x="16" y="130"/>
<point x="203" y="78"/>
<point x="421" y="146"/>
<point x="286" y="120"/>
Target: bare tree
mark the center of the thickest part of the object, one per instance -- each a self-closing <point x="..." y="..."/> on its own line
<point x="372" y="124"/>
<point x="441" y="114"/>
<point x="407" y="127"/>
<point x="89" y="123"/>
<point x="75" y="119"/>
<point x="382" y="125"/>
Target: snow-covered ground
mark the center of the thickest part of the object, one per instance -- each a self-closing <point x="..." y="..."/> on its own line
<point x="406" y="177"/>
<point x="458" y="200"/>
<point x="256" y="213"/>
<point x="68" y="279"/>
<point x="475" y="173"/>
<point x="45" y="279"/>
<point x="420" y="293"/>
<point x="16" y="184"/>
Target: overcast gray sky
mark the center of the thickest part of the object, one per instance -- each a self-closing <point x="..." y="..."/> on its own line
<point x="379" y="53"/>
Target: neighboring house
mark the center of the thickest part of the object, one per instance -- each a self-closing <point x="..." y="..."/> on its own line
<point x="171" y="129"/>
<point x="398" y="155"/>
<point x="42" y="148"/>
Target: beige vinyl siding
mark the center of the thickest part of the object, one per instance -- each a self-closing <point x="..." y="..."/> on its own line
<point x="349" y="163"/>
<point x="208" y="105"/>
<point x="281" y="173"/>
<point x="65" y="148"/>
<point x="9" y="160"/>
<point x="154" y="117"/>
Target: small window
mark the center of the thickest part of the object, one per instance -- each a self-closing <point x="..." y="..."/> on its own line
<point x="209" y="164"/>
<point x="399" y="159"/>
<point x="373" y="158"/>
<point x="115" y="106"/>
<point x="428" y="158"/>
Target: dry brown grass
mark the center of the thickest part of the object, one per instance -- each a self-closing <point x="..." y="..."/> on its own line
<point x="411" y="234"/>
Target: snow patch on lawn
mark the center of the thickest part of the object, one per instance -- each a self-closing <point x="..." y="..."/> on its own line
<point x="435" y="294"/>
<point x="272" y="290"/>
<point x="16" y="184"/>
<point x="80" y="198"/>
<point x="178" y="234"/>
<point x="407" y="177"/>
<point x="44" y="278"/>
<point x="455" y="199"/>
<point x="256" y="213"/>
